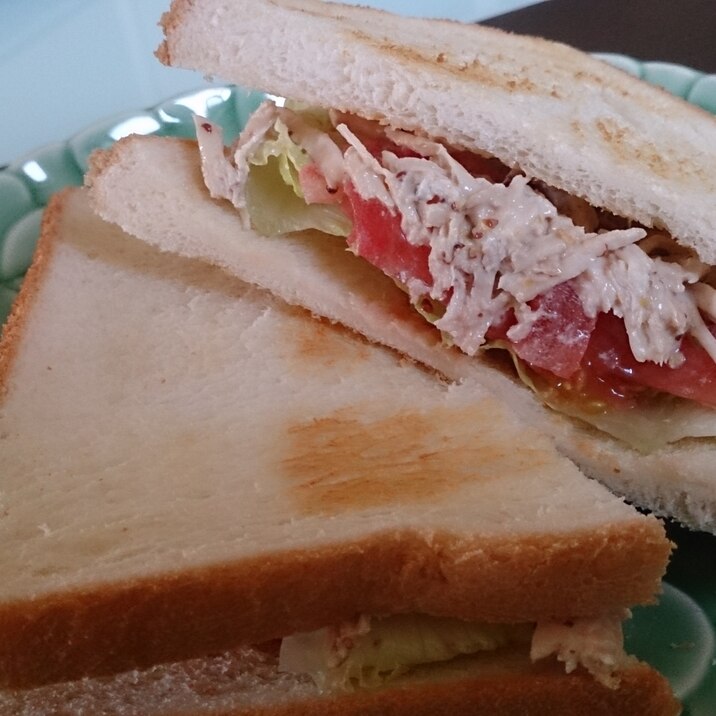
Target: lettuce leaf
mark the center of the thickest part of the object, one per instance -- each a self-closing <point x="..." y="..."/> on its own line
<point x="275" y="208"/>
<point x="273" y="191"/>
<point x="660" y="420"/>
<point x="289" y="155"/>
<point x="392" y="646"/>
<point x="396" y="643"/>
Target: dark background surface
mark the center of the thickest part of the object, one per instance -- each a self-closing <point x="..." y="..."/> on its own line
<point x="681" y="31"/>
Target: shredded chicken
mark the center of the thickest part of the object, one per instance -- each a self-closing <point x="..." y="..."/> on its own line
<point x="225" y="179"/>
<point x="596" y="644"/>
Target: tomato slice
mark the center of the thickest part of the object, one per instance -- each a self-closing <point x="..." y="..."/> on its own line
<point x="615" y="372"/>
<point x="558" y="338"/>
<point x="377" y="145"/>
<point x="378" y="238"/>
<point x="582" y="358"/>
<point x="489" y="167"/>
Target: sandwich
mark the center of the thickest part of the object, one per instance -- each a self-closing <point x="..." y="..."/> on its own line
<point x="212" y="502"/>
<point x="542" y="214"/>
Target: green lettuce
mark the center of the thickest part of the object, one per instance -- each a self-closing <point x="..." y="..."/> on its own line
<point x="658" y="420"/>
<point x="396" y="644"/>
<point x="273" y="192"/>
<point x="291" y="158"/>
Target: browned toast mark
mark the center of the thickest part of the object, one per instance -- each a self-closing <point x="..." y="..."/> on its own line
<point x="343" y="461"/>
<point x="320" y="344"/>
<point x="628" y="147"/>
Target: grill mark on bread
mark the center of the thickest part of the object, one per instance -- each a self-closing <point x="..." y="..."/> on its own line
<point x="627" y="147"/>
<point x="320" y="344"/>
<point x="588" y="77"/>
<point x="473" y="69"/>
<point x="340" y="462"/>
<point x="333" y="17"/>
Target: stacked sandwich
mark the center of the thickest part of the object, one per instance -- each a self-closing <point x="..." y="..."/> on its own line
<point x="214" y="502"/>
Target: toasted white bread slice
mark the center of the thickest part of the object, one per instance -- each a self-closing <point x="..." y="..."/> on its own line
<point x="190" y="464"/>
<point x="561" y="115"/>
<point x="246" y="681"/>
<point x="153" y="188"/>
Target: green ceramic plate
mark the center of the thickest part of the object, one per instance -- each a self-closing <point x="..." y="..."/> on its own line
<point x="677" y="636"/>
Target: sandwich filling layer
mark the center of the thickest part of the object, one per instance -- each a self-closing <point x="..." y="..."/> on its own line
<point x="370" y="652"/>
<point x="608" y="321"/>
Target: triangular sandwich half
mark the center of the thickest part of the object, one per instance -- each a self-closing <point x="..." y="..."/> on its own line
<point x="189" y="465"/>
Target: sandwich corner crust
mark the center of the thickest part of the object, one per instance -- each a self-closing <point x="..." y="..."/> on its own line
<point x="14" y="327"/>
<point x="170" y="21"/>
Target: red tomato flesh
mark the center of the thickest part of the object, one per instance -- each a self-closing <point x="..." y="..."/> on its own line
<point x="611" y="371"/>
<point x="378" y="238"/>
<point x="377" y="145"/>
<point x="489" y="167"/>
<point x="558" y="338"/>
